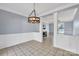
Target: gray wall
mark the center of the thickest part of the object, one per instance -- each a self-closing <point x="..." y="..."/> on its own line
<point x="76" y="23"/>
<point x="68" y="28"/>
<point x="51" y="27"/>
<point x="12" y="23"/>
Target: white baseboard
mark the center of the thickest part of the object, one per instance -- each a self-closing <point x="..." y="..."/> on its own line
<point x="66" y="42"/>
<point x="38" y="37"/>
<point x="8" y="40"/>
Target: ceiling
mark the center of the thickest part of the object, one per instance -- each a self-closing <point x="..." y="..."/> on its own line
<point x="25" y="9"/>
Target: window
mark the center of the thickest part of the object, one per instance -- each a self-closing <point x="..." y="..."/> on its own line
<point x="60" y="27"/>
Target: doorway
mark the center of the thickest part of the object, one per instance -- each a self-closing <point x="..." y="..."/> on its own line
<point x="48" y="31"/>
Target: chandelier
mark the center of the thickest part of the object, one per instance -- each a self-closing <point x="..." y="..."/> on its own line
<point x="32" y="18"/>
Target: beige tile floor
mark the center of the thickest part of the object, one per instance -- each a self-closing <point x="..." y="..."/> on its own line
<point x="34" y="48"/>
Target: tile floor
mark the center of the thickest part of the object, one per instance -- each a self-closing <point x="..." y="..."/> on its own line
<point x="34" y="48"/>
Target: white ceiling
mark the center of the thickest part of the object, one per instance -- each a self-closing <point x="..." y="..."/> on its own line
<point x="63" y="16"/>
<point x="25" y="9"/>
<point x="67" y="15"/>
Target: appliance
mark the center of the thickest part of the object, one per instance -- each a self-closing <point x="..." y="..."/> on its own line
<point x="44" y="31"/>
<point x="32" y="17"/>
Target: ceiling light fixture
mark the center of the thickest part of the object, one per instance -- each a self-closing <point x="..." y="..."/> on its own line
<point x="32" y="17"/>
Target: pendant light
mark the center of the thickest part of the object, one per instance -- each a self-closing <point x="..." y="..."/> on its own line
<point x="32" y="18"/>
